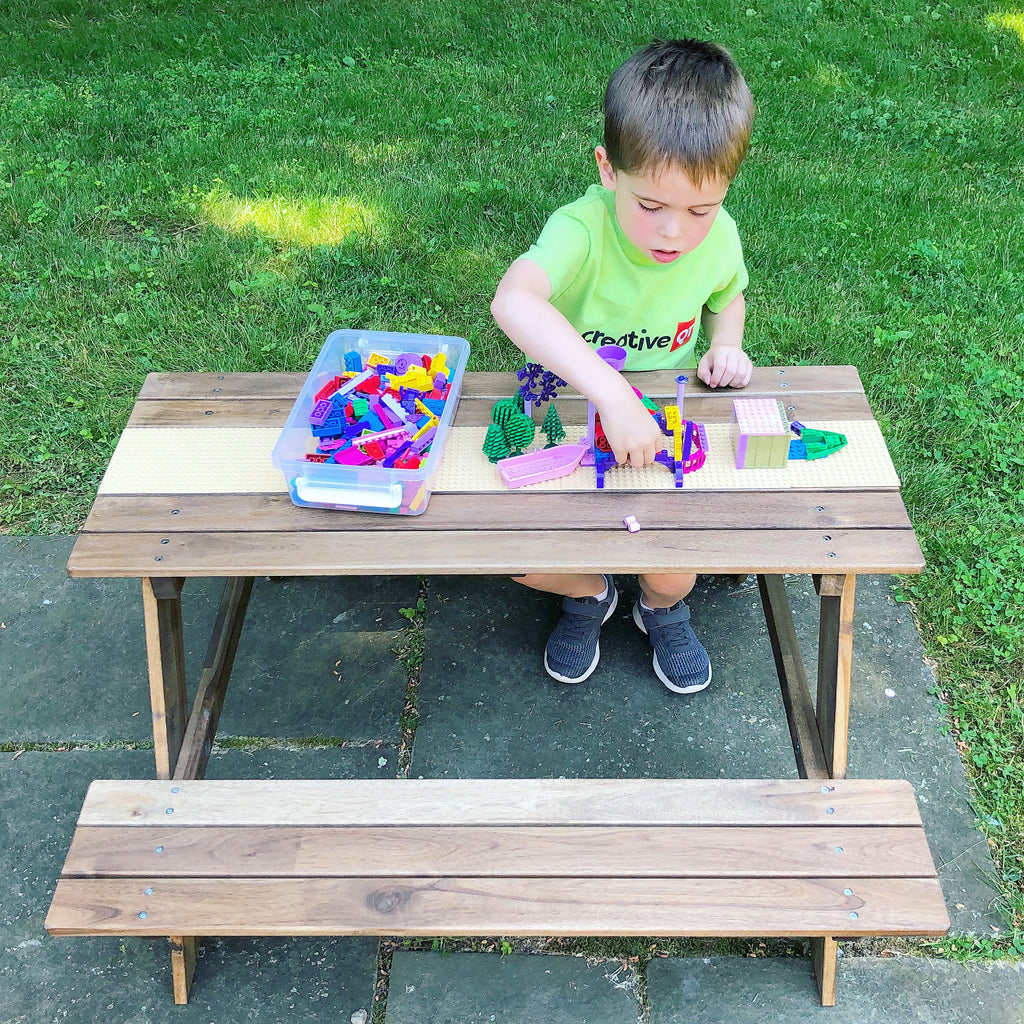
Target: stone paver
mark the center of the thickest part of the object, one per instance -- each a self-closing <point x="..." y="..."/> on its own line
<point x="475" y="988"/>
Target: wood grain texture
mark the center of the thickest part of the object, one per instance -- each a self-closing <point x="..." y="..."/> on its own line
<point x="515" y="802"/>
<point x="496" y="552"/>
<point x="502" y="906"/>
<point x="502" y="851"/>
<point x="515" y="510"/>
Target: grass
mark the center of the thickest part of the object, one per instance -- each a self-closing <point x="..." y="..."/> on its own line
<point x="190" y="187"/>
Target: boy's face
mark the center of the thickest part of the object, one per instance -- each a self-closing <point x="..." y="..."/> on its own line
<point x="664" y="215"/>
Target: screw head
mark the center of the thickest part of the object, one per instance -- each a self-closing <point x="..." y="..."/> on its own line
<point x="839" y="849"/>
<point x="143" y="915"/>
<point x="847" y="892"/>
<point x="828" y="810"/>
<point x="854" y="915"/>
<point x="159" y="849"/>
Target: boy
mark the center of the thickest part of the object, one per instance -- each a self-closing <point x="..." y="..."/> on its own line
<point x="636" y="261"/>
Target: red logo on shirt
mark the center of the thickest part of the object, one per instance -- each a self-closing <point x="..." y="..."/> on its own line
<point x="684" y="332"/>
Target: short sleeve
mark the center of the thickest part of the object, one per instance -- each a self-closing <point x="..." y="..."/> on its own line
<point x="733" y="277"/>
<point x="561" y="251"/>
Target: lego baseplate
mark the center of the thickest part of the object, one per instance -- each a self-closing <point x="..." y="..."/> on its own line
<point x="236" y="460"/>
<point x="863" y="463"/>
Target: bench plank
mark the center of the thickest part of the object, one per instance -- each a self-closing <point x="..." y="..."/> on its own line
<point x="503" y="906"/>
<point x="518" y="802"/>
<point x="553" y="851"/>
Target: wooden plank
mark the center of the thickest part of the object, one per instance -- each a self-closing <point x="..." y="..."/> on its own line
<point x="202" y="725"/>
<point x="513" y="906"/>
<point x="825" y="954"/>
<point x="796" y="696"/>
<point x="491" y="552"/>
<point x="707" y="510"/>
<point x="165" y="654"/>
<point x="552" y="851"/>
<point x="657" y="384"/>
<point x="835" y="665"/>
<point x="490" y="802"/>
<point x="474" y="412"/>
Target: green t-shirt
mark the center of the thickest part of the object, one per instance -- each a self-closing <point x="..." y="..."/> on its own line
<point x="615" y="295"/>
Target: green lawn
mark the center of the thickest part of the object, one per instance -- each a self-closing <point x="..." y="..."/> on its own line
<point x="216" y="187"/>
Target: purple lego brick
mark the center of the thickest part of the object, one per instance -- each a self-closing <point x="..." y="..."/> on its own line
<point x="322" y="411"/>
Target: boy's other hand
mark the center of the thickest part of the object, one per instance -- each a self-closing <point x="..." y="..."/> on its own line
<point x="725" y="365"/>
<point x="633" y="435"/>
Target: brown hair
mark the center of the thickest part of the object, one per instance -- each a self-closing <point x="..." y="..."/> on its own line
<point x="682" y="103"/>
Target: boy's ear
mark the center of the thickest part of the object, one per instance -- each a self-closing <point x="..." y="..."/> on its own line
<point x="604" y="167"/>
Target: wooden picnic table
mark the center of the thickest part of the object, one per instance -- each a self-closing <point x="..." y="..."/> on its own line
<point x="163" y="539"/>
<point x="819" y="857"/>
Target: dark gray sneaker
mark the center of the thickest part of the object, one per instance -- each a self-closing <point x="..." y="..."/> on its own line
<point x="680" y="660"/>
<point x="573" y="650"/>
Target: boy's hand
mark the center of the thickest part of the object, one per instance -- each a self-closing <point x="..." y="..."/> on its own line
<point x="633" y="435"/>
<point x="725" y="365"/>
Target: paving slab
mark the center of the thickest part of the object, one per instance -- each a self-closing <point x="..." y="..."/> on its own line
<point x="488" y="709"/>
<point x="481" y="988"/>
<point x="79" y="980"/>
<point x="315" y="656"/>
<point x="870" y="990"/>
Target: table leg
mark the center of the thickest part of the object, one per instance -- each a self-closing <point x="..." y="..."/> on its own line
<point x="220" y="656"/>
<point x="803" y="725"/>
<point x="835" y="661"/>
<point x="182" y="743"/>
<point x="165" y="650"/>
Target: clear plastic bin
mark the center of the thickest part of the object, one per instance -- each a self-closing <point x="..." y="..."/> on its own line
<point x="365" y="488"/>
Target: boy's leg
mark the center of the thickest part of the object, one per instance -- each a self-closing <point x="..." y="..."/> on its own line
<point x="680" y="660"/>
<point x="573" y="649"/>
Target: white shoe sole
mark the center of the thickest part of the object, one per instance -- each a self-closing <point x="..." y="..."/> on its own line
<point x="597" y="650"/>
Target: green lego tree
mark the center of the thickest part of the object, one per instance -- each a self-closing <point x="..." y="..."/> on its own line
<point x="510" y="432"/>
<point x="495" y="444"/>
<point x="519" y="431"/>
<point x="552" y="427"/>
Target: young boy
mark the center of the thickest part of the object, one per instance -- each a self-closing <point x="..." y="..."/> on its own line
<point x="637" y="261"/>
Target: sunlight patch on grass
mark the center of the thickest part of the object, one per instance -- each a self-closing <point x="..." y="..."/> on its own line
<point x="325" y="220"/>
<point x="831" y="77"/>
<point x="1012" y="21"/>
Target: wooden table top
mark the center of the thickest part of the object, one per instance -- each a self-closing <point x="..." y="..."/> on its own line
<point x="779" y="531"/>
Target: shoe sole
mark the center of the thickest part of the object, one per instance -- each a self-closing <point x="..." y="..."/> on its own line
<point x="597" y="651"/>
<point x="693" y="687"/>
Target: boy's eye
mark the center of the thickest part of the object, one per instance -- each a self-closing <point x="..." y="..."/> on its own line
<point x="649" y="209"/>
<point x="697" y="213"/>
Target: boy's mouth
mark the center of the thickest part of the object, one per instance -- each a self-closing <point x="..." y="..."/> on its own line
<point x="665" y="255"/>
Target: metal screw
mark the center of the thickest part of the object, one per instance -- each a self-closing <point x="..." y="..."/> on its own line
<point x="781" y="372"/>
<point x="170" y="810"/>
<point x="839" y="849"/>
<point x="221" y="377"/>
<point x="828" y="810"/>
<point x="176" y="789"/>
<point x="819" y="508"/>
<point x="847" y="892"/>
<point x="854" y="915"/>
<point x="827" y="536"/>
<point x="784" y="384"/>
<point x="175" y="511"/>
<point x="832" y="554"/>
<point x="828" y="789"/>
<point x="159" y="849"/>
<point x="149" y="892"/>
<point x="209" y="412"/>
<point x="142" y="914"/>
<point x="166" y="540"/>
<point x="159" y="558"/>
<point x="216" y="391"/>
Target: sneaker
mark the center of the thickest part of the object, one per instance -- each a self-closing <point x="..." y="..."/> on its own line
<point x="573" y="651"/>
<point x="680" y="660"/>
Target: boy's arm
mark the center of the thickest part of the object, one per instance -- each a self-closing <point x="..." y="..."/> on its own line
<point x="523" y="311"/>
<point x="725" y="362"/>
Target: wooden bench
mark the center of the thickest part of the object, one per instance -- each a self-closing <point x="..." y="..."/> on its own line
<point x="825" y="859"/>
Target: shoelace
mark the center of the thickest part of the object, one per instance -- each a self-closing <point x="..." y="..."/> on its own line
<point x="578" y="627"/>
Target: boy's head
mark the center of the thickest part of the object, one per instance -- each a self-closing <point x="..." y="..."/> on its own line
<point x="678" y="104"/>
